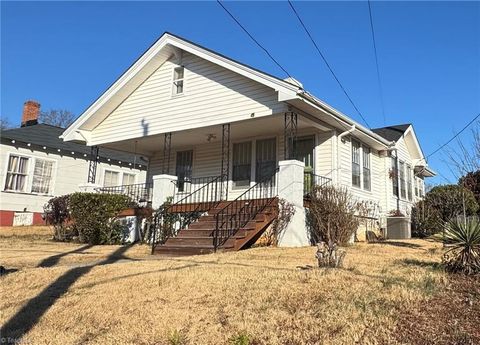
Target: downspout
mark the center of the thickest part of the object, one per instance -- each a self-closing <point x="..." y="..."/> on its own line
<point x="339" y="145"/>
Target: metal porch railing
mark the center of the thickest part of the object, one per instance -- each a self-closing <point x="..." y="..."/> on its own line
<point x="141" y="193"/>
<point x="311" y="180"/>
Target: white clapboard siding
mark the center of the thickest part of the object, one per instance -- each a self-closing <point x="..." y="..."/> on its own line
<point x="212" y="95"/>
<point x="323" y="154"/>
<point x="68" y="173"/>
<point x="376" y="170"/>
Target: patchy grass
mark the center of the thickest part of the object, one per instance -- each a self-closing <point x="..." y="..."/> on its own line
<point x="123" y="295"/>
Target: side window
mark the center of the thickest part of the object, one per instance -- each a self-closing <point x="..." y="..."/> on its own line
<point x="110" y="178"/>
<point x="128" y="179"/>
<point x="242" y="164"/>
<point x="177" y="87"/>
<point x="367" y="184"/>
<point x="356" y="164"/>
<point x="42" y="176"/>
<point x="394" y="176"/>
<point x="403" y="190"/>
<point x="409" y="182"/>
<point x="17" y="172"/>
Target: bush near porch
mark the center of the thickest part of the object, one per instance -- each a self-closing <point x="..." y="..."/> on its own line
<point x="87" y="217"/>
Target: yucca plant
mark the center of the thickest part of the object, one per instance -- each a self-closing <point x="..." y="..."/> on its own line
<point x="462" y="241"/>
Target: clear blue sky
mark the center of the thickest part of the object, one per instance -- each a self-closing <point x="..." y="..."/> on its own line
<point x="64" y="54"/>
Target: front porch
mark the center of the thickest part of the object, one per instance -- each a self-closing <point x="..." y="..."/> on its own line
<point x="217" y="187"/>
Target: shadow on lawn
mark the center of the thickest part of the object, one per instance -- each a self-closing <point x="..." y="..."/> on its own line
<point x="400" y="244"/>
<point x="54" y="259"/>
<point x="24" y="320"/>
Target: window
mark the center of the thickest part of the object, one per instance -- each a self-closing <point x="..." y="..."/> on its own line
<point x="42" y="176"/>
<point x="184" y="168"/>
<point x="394" y="176"/>
<point x="242" y="164"/>
<point x="420" y="187"/>
<point x="178" y="73"/>
<point x="403" y="191"/>
<point x="16" y="173"/>
<point x="128" y="179"/>
<point x="409" y="182"/>
<point x="366" y="168"/>
<point x="110" y="178"/>
<point x="265" y="157"/>
<point x="416" y="186"/>
<point x="356" y="164"/>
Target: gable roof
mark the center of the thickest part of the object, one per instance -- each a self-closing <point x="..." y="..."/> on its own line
<point x="43" y="135"/>
<point x="392" y="133"/>
<point x="169" y="45"/>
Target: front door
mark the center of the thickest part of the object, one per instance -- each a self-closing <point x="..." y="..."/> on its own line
<point x="183" y="169"/>
<point x="305" y="154"/>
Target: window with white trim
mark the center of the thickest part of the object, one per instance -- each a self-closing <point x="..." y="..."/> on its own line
<point x="128" y="179"/>
<point x="110" y="178"/>
<point x="356" y="173"/>
<point x="42" y="176"/>
<point x="178" y="79"/>
<point x="367" y="184"/>
<point x="416" y="186"/>
<point x="403" y="190"/>
<point x="394" y="176"/>
<point x="409" y="182"/>
<point x="17" y="174"/>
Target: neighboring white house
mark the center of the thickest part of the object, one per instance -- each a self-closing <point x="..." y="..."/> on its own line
<point x="196" y="114"/>
<point x="35" y="165"/>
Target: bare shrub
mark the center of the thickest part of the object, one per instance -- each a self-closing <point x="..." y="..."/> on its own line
<point x="332" y="223"/>
<point x="286" y="211"/>
<point x="332" y="215"/>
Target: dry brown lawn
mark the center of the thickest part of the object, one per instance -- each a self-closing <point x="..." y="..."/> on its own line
<point x="75" y="294"/>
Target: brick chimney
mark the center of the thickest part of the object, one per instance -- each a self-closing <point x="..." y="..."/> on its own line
<point x="31" y="110"/>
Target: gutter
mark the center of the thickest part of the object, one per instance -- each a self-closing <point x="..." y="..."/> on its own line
<point x="342" y="117"/>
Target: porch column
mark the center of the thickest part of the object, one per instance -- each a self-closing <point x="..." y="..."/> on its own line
<point x="290" y="136"/>
<point x="225" y="169"/>
<point x="92" y="167"/>
<point x="167" y="149"/>
<point x="290" y="188"/>
<point x="164" y="187"/>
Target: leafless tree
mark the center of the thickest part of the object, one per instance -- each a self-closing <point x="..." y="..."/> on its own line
<point x="464" y="157"/>
<point x="57" y="117"/>
<point x="4" y="124"/>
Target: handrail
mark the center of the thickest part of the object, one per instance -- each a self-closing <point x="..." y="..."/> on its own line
<point x="235" y="215"/>
<point x="310" y="180"/>
<point x="205" y="198"/>
<point x="139" y="192"/>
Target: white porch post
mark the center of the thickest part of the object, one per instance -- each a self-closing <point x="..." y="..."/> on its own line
<point x="290" y="188"/>
<point x="164" y="186"/>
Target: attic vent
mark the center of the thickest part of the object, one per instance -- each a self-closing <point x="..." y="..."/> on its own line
<point x="293" y="81"/>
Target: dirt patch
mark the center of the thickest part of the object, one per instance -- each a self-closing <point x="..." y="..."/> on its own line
<point x="451" y="316"/>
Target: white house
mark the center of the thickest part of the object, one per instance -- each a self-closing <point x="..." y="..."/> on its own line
<point x="216" y="128"/>
<point x="35" y="165"/>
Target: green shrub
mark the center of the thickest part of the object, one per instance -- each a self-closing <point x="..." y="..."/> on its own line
<point x="462" y="240"/>
<point x="57" y="214"/>
<point x="95" y="218"/>
<point x="441" y="204"/>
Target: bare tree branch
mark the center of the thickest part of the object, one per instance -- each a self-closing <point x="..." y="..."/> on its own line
<point x="57" y="117"/>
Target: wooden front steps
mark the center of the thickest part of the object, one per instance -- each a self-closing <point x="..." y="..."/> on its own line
<point x="199" y="237"/>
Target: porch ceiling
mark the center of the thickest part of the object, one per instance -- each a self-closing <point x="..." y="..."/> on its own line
<point x="270" y="125"/>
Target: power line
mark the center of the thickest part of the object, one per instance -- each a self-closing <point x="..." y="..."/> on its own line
<point x="266" y="51"/>
<point x="253" y="39"/>
<point x="326" y="62"/>
<point x="376" y="63"/>
<point x="452" y="138"/>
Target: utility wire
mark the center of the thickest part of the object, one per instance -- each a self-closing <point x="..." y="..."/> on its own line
<point x="376" y="63"/>
<point x="456" y="135"/>
<point x="253" y="39"/>
<point x="326" y="62"/>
